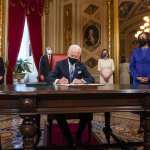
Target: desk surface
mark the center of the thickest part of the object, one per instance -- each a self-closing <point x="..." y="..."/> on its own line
<point x="43" y="89"/>
<point x="32" y="100"/>
<point x="70" y="99"/>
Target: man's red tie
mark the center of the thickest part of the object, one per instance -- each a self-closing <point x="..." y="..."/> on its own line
<point x="49" y="59"/>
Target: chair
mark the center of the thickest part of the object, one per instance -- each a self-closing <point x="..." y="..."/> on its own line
<point x="55" y="59"/>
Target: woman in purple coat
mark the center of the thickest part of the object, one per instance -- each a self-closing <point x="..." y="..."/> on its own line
<point x="140" y="61"/>
<point x="140" y="65"/>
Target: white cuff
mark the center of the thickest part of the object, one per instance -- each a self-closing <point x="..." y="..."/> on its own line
<point x="83" y="81"/>
<point x="55" y="82"/>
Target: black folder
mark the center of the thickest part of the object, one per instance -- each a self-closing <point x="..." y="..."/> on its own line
<point x="37" y="84"/>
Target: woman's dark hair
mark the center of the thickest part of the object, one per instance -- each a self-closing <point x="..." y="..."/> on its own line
<point x="143" y="41"/>
<point x="102" y="56"/>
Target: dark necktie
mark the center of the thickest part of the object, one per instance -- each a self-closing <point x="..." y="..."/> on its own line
<point x="71" y="72"/>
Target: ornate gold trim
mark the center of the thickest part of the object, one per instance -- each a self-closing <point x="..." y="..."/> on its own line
<point x="3" y="27"/>
<point x="1" y="17"/>
<point x="116" y="39"/>
<point x="109" y="25"/>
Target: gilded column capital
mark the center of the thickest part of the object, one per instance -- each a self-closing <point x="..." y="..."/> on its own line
<point x="116" y="38"/>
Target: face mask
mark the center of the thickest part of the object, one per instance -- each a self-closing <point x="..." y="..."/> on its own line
<point x="104" y="55"/>
<point x="49" y="51"/>
<point x="73" y="60"/>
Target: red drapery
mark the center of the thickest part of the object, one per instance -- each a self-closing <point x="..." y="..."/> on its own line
<point x="15" y="32"/>
<point x="34" y="12"/>
<point x="18" y="9"/>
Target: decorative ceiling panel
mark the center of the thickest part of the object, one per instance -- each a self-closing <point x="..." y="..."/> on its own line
<point x="91" y="9"/>
<point x="131" y="8"/>
<point x="125" y="8"/>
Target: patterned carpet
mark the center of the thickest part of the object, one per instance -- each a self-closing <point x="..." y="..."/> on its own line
<point x="124" y="125"/>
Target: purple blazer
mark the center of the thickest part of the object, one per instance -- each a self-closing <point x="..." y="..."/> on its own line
<point x="140" y="64"/>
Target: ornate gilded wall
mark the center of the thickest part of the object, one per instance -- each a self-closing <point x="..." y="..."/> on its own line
<point x="73" y="21"/>
<point x="93" y="17"/>
<point x="67" y="19"/>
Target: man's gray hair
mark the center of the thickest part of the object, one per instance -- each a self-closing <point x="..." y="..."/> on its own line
<point x="74" y="47"/>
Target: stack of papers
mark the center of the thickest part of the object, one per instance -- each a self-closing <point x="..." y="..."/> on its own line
<point x="91" y="84"/>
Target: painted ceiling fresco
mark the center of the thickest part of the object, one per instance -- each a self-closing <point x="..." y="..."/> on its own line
<point x="130" y="8"/>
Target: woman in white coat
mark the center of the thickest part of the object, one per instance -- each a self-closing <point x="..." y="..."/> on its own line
<point x="106" y="68"/>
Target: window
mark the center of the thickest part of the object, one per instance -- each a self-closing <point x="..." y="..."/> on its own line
<point x="25" y="52"/>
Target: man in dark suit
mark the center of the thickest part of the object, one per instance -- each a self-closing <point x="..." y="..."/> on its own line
<point x="67" y="71"/>
<point x="2" y="70"/>
<point x="45" y="64"/>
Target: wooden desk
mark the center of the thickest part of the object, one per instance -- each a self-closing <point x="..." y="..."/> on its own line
<point x="30" y="101"/>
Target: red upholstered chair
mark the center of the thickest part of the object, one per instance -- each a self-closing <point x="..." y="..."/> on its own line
<point x="55" y="59"/>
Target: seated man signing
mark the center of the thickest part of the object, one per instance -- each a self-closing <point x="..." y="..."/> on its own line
<point x="71" y="70"/>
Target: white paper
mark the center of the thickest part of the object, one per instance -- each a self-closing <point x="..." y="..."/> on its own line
<point x="91" y="84"/>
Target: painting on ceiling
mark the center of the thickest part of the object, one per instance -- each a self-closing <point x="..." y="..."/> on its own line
<point x="125" y="8"/>
<point x="144" y="7"/>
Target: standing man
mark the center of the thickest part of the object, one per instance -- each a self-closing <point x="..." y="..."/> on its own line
<point x="45" y="64"/>
<point x="71" y="70"/>
<point x="2" y="71"/>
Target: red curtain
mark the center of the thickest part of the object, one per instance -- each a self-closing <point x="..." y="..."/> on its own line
<point x="34" y="13"/>
<point x="18" y="9"/>
<point x="15" y="31"/>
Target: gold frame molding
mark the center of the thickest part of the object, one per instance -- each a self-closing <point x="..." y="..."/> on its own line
<point x="116" y="39"/>
<point x="3" y="27"/>
<point x="1" y="22"/>
<point x="109" y="26"/>
<point x="113" y="34"/>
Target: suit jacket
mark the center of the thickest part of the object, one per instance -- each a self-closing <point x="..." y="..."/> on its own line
<point x="44" y="66"/>
<point x="2" y="70"/>
<point x="62" y="70"/>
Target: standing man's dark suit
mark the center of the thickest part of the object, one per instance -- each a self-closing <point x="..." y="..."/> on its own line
<point x="2" y="70"/>
<point x="44" y="67"/>
<point x="80" y="72"/>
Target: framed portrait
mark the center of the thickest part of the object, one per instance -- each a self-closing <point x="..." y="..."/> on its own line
<point x="91" y="35"/>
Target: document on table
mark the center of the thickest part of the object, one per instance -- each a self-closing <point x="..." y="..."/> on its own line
<point x="90" y="84"/>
